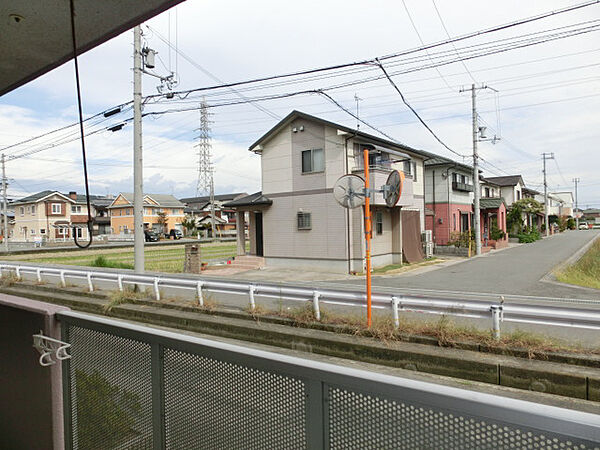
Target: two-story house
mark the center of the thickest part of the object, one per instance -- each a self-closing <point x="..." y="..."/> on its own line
<point x="121" y="213"/>
<point x="566" y="203"/>
<point x="295" y="220"/>
<point x="51" y="215"/>
<point x="449" y="195"/>
<point x="199" y="208"/>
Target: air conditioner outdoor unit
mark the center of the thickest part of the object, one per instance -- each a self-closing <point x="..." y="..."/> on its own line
<point x="427" y="236"/>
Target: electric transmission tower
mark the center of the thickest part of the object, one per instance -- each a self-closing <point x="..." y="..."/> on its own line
<point x="205" y="183"/>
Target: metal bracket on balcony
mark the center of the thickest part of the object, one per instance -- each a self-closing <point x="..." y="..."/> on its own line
<point x="49" y="347"/>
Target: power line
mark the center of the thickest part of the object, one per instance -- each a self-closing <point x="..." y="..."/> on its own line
<point x="414" y="111"/>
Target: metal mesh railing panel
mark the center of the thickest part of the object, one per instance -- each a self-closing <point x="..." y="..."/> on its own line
<point x="212" y="404"/>
<point x="363" y="421"/>
<point x="111" y="391"/>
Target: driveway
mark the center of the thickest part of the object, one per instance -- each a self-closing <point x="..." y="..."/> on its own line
<point x="515" y="271"/>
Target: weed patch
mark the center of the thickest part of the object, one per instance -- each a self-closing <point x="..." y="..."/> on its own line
<point x="122" y="297"/>
<point x="101" y="261"/>
<point x="9" y="279"/>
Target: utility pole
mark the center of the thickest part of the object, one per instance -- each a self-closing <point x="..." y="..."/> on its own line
<point x="138" y="179"/>
<point x="4" y="205"/>
<point x="546" y="156"/>
<point x="576" y="181"/>
<point x="476" y="188"/>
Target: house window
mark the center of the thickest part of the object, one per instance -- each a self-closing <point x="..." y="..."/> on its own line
<point x="304" y="221"/>
<point x="79" y="232"/>
<point x="42" y="231"/>
<point x="313" y="160"/>
<point x="22" y="210"/>
<point x="33" y="209"/>
<point x="463" y="179"/>
<point x="455" y="177"/>
<point x="406" y="167"/>
<point x="379" y="222"/>
<point x="62" y="231"/>
<point x="56" y="209"/>
<point x="32" y="231"/>
<point x="414" y="171"/>
<point x="454" y="221"/>
<point x="487" y="192"/>
<point x="76" y="209"/>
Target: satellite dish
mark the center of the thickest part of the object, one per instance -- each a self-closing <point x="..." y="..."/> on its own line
<point x="393" y="188"/>
<point x="348" y="191"/>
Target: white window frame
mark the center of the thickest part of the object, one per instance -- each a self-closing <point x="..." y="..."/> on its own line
<point x="303" y="221"/>
<point x="379" y="222"/>
<point x="22" y="210"/>
<point x="312" y="168"/>
<point x="32" y="231"/>
<point x="62" y="231"/>
<point x="53" y="209"/>
<point x="42" y="231"/>
<point x="75" y="209"/>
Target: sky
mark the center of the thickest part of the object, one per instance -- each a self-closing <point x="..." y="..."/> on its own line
<point x="545" y="97"/>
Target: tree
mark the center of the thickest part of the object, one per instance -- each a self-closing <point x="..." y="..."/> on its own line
<point x="189" y="224"/>
<point x="162" y="220"/>
<point x="514" y="218"/>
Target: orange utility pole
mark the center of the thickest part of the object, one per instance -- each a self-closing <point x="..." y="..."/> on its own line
<point x="368" y="226"/>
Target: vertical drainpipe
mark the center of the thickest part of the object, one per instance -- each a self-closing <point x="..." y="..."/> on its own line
<point x="347" y="209"/>
<point x="433" y="201"/>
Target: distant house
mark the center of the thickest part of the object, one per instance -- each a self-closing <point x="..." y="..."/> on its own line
<point x="200" y="209"/>
<point x="295" y="220"/>
<point x="511" y="187"/>
<point x="449" y="194"/>
<point x="121" y="213"/>
<point x="51" y="215"/>
<point x="566" y="202"/>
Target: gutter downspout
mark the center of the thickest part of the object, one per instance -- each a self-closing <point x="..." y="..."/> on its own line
<point x="349" y="253"/>
<point x="433" y="201"/>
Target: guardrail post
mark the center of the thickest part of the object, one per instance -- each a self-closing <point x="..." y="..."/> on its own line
<point x="120" y="282"/>
<point x="89" y="280"/>
<point x="39" y="275"/>
<point x="316" y="308"/>
<point x="156" y="290"/>
<point x="252" y="303"/>
<point x="63" y="282"/>
<point x="18" y="272"/>
<point x="395" y="303"/>
<point x="496" y="313"/>
<point x="199" y="293"/>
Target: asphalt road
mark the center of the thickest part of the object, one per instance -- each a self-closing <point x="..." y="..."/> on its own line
<point x="515" y="271"/>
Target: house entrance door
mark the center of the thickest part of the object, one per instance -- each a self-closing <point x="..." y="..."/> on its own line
<point x="259" y="233"/>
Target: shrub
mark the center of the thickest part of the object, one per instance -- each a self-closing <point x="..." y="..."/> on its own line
<point x="101" y="261"/>
<point x="461" y="239"/>
<point x="571" y="223"/>
<point x="496" y="234"/>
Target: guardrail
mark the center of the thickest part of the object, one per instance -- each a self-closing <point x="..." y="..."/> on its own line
<point x="395" y="304"/>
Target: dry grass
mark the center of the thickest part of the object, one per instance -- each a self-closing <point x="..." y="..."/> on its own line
<point x="586" y="271"/>
<point x="209" y="303"/>
<point x="9" y="279"/>
<point x="117" y="298"/>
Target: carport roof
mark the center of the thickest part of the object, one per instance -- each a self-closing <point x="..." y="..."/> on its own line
<point x="250" y="200"/>
<point x="36" y="34"/>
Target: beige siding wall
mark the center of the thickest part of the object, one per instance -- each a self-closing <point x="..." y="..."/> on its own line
<point x="276" y="164"/>
<point x="313" y="137"/>
<point x="326" y="239"/>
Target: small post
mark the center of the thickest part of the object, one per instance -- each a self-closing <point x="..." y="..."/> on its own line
<point x="120" y="282"/>
<point x="496" y="313"/>
<point x="18" y="272"/>
<point x="199" y="293"/>
<point x="39" y="275"/>
<point x="63" y="282"/>
<point x="252" y="303"/>
<point x="89" y="280"/>
<point x="316" y="308"/>
<point x="395" y="303"/>
<point x="156" y="290"/>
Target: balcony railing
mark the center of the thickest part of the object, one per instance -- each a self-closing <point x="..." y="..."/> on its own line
<point x="458" y="186"/>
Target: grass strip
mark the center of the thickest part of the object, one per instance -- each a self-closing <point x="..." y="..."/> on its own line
<point x="586" y="271"/>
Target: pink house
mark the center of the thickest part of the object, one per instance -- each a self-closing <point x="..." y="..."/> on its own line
<point x="449" y="203"/>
